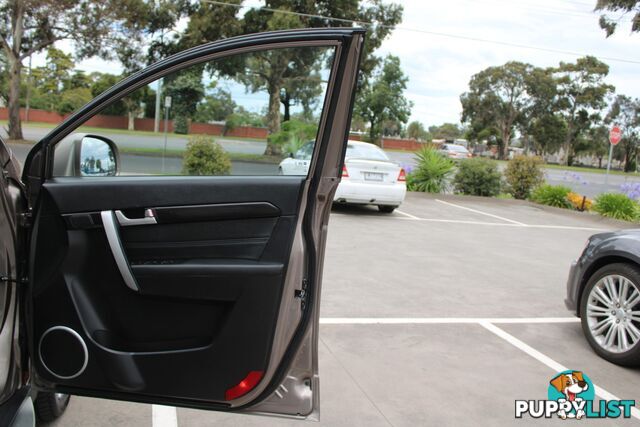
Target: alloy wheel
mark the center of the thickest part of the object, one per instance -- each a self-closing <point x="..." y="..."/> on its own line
<point x="613" y="313"/>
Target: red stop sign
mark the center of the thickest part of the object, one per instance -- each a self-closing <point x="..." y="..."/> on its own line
<point x="615" y="135"/>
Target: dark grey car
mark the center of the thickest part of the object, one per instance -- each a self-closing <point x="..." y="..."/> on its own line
<point x="604" y="291"/>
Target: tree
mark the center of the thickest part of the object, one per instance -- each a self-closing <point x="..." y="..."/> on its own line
<point x="539" y="125"/>
<point x="416" y="130"/>
<point x="622" y="8"/>
<point x="101" y="82"/>
<point x="50" y="80"/>
<point x="625" y="112"/>
<point x="445" y="131"/>
<point x="216" y="106"/>
<point x="94" y="28"/>
<point x="210" y="22"/>
<point x="497" y="99"/>
<point x="269" y="70"/>
<point x="581" y="94"/>
<point x="383" y="98"/>
<point x="548" y="132"/>
<point x="186" y="90"/>
<point x="595" y="142"/>
<point x="302" y="86"/>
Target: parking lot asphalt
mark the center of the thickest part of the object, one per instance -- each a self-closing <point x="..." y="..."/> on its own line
<point x="442" y="313"/>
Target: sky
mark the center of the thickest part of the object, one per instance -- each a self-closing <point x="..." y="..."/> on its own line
<point x="439" y="66"/>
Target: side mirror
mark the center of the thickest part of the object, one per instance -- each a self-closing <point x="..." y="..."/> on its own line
<point x="83" y="154"/>
<point x="98" y="157"/>
<point x="291" y="155"/>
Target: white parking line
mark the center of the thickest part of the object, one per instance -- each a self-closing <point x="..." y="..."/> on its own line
<point x="481" y="213"/>
<point x="406" y="214"/>
<point x="555" y="366"/>
<point x="410" y="217"/>
<point x="439" y="320"/>
<point x="164" y="416"/>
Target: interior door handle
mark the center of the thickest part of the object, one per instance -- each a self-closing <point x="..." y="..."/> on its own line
<point x="113" y="238"/>
<point x="149" y="219"/>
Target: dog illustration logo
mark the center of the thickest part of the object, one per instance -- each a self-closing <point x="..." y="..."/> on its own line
<point x="571" y="386"/>
<point x="571" y="395"/>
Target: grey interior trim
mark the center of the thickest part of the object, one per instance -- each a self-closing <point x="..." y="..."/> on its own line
<point x="75" y="335"/>
<point x="111" y="230"/>
<point x="149" y="219"/>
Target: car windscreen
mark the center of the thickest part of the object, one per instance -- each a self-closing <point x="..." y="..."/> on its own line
<point x="305" y="152"/>
<point x="365" y="152"/>
<point x="459" y="148"/>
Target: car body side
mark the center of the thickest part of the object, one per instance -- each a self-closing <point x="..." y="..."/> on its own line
<point x="601" y="249"/>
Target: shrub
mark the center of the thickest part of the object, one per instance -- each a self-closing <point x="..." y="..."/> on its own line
<point x="478" y="177"/>
<point x="615" y="205"/>
<point x="577" y="201"/>
<point x="552" y="195"/>
<point x="431" y="173"/>
<point x="293" y="134"/>
<point x="181" y="125"/>
<point x="231" y="122"/>
<point x="204" y="156"/>
<point x="523" y="174"/>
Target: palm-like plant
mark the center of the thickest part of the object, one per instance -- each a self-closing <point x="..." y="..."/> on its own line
<point x="432" y="173"/>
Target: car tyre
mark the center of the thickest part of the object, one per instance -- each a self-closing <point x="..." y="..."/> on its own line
<point x="631" y="357"/>
<point x="50" y="406"/>
<point x="386" y="208"/>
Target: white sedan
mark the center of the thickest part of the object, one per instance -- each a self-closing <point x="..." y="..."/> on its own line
<point x="369" y="177"/>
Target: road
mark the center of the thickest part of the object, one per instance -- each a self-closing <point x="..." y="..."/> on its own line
<point x="133" y="164"/>
<point x="146" y="140"/>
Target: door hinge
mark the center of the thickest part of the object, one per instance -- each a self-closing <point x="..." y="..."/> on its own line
<point x="25" y="219"/>
<point x="302" y="294"/>
<point x="6" y="279"/>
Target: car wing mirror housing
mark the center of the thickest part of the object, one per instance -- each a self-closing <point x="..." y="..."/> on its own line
<point x="86" y="155"/>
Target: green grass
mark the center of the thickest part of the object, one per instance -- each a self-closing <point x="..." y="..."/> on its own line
<point x="583" y="169"/>
<point x="238" y="157"/>
<point x="126" y="132"/>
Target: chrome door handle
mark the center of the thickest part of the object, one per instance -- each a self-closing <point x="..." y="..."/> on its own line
<point x="113" y="238"/>
<point x="149" y="219"/>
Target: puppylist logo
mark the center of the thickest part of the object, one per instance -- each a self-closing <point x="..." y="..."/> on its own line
<point x="570" y="395"/>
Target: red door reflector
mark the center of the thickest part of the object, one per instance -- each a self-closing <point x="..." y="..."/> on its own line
<point x="245" y="386"/>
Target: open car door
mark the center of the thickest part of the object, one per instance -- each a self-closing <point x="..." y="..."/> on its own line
<point x="199" y="291"/>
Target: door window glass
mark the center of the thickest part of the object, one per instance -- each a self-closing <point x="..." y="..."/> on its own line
<point x="245" y="114"/>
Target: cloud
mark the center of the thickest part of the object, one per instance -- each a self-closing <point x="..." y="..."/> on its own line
<point x="439" y="67"/>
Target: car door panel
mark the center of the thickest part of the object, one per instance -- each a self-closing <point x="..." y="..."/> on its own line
<point x="220" y="306"/>
<point x="209" y="278"/>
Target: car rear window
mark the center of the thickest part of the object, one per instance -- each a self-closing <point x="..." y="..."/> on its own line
<point x="365" y="152"/>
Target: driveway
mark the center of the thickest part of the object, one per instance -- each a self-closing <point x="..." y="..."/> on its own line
<point x="442" y="313"/>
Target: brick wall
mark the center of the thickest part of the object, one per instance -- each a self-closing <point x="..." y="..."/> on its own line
<point x="34" y="115"/>
<point x="206" y="128"/>
<point x="395" y="143"/>
<point x="401" y="144"/>
<point x="145" y="124"/>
